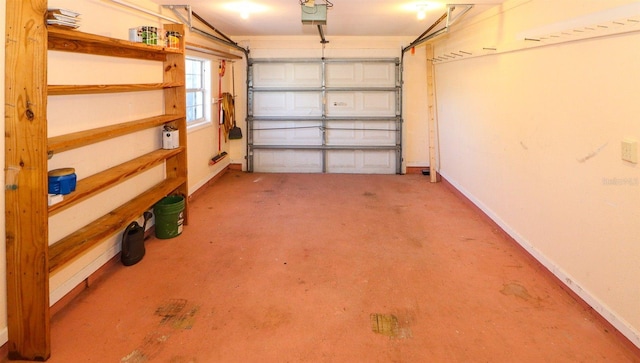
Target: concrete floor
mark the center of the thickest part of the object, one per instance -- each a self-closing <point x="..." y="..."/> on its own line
<point x="331" y="268"/>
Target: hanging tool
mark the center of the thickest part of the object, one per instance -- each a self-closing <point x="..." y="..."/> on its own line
<point x="221" y="154"/>
<point x="228" y="112"/>
<point x="235" y="132"/>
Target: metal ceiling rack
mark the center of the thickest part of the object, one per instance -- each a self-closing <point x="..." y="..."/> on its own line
<point x="189" y="20"/>
<point x="143" y="10"/>
<point x="449" y="16"/>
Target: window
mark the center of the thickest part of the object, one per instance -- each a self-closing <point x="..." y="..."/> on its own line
<point x="198" y="79"/>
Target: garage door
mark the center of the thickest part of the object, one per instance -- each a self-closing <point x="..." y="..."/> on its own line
<point x="324" y="116"/>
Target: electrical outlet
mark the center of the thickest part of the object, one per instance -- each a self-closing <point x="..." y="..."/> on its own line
<point x="630" y="151"/>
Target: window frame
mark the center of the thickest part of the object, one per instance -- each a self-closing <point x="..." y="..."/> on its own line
<point x="205" y="89"/>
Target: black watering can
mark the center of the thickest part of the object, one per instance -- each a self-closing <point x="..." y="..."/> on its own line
<point x="133" y="242"/>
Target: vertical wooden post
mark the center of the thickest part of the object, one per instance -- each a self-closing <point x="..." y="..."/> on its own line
<point x="26" y="180"/>
<point x="175" y="100"/>
<point x="432" y="115"/>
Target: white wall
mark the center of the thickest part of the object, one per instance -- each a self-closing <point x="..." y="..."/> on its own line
<point x="532" y="133"/>
<point x="415" y="112"/>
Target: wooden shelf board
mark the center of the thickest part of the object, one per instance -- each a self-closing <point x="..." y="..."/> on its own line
<point x="68" y="248"/>
<point x="78" y="42"/>
<point x="108" y="178"/>
<point x="87" y="137"/>
<point x="54" y="90"/>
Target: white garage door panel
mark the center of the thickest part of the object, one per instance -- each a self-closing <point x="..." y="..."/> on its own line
<point x="361" y="161"/>
<point x="287" y="103"/>
<point x="360" y="75"/>
<point x="361" y="104"/>
<point x="361" y="133"/>
<point x="287" y="161"/>
<point x="287" y="75"/>
<point x="287" y="133"/>
<point x="324" y="115"/>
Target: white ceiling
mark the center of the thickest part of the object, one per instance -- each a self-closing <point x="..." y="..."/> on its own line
<point x="345" y="17"/>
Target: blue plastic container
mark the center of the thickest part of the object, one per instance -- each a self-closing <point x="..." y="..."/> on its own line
<point x="62" y="181"/>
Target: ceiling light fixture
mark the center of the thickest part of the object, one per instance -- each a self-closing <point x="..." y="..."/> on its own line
<point x="422" y="12"/>
<point x="245" y="8"/>
<point x="422" y="7"/>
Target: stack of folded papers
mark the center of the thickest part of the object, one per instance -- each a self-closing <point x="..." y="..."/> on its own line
<point x="63" y="18"/>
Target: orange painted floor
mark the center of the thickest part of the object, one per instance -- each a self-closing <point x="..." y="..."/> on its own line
<point x="331" y="268"/>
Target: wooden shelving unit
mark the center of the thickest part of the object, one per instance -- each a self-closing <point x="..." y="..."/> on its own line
<point x="30" y="260"/>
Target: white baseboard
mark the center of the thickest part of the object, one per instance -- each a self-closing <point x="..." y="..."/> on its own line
<point x="83" y="274"/>
<point x="4" y="336"/>
<point x="207" y="179"/>
<point x="616" y="321"/>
